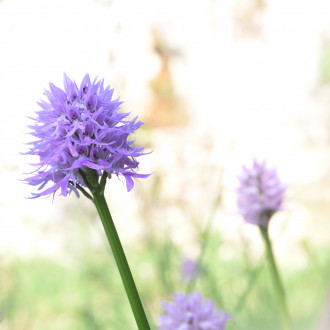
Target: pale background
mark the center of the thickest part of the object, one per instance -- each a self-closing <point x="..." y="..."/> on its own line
<point x="245" y="80"/>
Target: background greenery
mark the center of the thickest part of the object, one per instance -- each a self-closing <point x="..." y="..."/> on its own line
<point x="84" y="291"/>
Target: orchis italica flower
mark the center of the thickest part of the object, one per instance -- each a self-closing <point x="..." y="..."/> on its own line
<point x="82" y="140"/>
<point x="260" y="193"/>
<point x="192" y="312"/>
<point x="81" y="130"/>
<point x="189" y="269"/>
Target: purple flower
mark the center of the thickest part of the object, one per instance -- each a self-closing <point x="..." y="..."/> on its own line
<point x="191" y="312"/>
<point x="81" y="130"/>
<point x="260" y="193"/>
<point x="189" y="269"/>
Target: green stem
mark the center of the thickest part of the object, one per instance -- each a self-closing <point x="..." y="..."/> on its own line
<point x="118" y="252"/>
<point x="276" y="279"/>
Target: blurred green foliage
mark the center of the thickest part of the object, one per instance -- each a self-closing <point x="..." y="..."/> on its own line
<point x="42" y="294"/>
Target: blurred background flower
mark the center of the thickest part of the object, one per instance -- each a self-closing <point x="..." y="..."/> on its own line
<point x="216" y="83"/>
<point x="260" y="193"/>
<point x="189" y="269"/>
<point x="191" y="311"/>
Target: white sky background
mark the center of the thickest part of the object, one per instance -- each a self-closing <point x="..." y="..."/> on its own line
<point x="248" y="91"/>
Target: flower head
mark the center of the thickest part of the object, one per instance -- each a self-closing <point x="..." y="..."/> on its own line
<point x="189" y="269"/>
<point x="260" y="193"/>
<point x="191" y="312"/>
<point x="80" y="129"/>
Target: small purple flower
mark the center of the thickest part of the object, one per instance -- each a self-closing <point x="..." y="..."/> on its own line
<point x="189" y="269"/>
<point x="191" y="312"/>
<point x="80" y="130"/>
<point x="260" y="193"/>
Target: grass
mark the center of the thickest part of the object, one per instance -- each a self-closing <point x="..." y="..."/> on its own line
<point x="42" y="294"/>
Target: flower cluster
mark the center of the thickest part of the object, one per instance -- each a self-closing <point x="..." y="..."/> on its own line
<point x="79" y="130"/>
<point x="189" y="269"/>
<point x="260" y="193"/>
<point x="191" y="312"/>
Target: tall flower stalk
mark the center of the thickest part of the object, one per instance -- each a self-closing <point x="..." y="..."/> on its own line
<point x="279" y="289"/>
<point x="81" y="141"/>
<point x="260" y="196"/>
<point x="97" y="189"/>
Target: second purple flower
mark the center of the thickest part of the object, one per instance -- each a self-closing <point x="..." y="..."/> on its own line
<point x="260" y="193"/>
